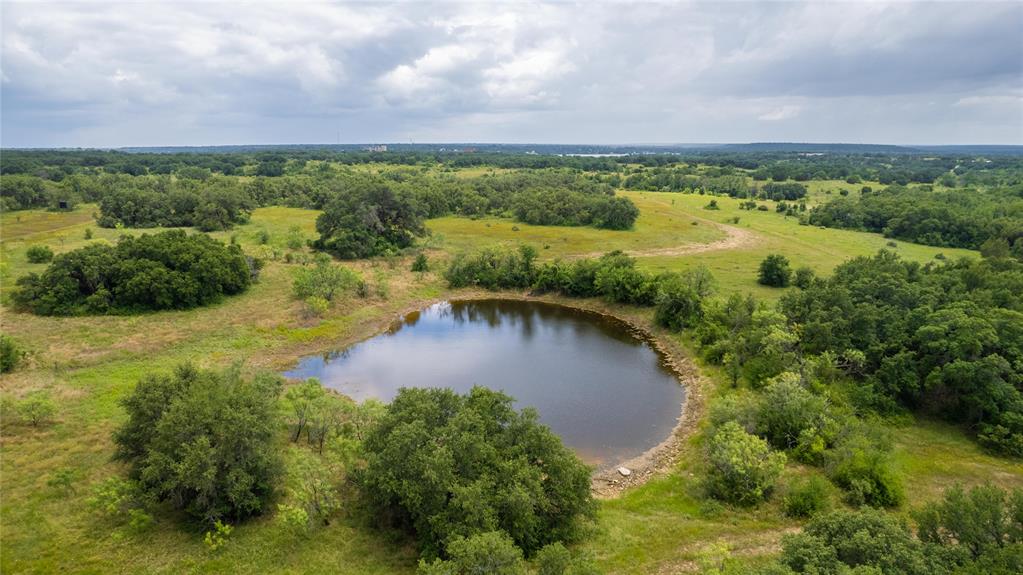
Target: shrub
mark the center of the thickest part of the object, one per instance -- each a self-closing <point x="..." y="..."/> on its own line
<point x="788" y="410"/>
<point x="807" y="498"/>
<point x="324" y="280"/>
<point x="216" y="538"/>
<point x="420" y="264"/>
<point x="36" y="408"/>
<point x="775" y="271"/>
<point x="742" y="467"/>
<point x="493" y="268"/>
<point x="314" y="491"/>
<point x="122" y="501"/>
<point x="984" y="518"/>
<point x="489" y="468"/>
<point x="296" y="240"/>
<point x="490" y="553"/>
<point x="864" y="471"/>
<point x="712" y="205"/>
<point x="316" y="306"/>
<point x="553" y="559"/>
<point x="39" y="254"/>
<point x="804" y="277"/>
<point x="169" y="270"/>
<point x="838" y="541"/>
<point x="680" y="298"/>
<point x="88" y="233"/>
<point x="203" y="441"/>
<point x="11" y="353"/>
<point x="64" y="480"/>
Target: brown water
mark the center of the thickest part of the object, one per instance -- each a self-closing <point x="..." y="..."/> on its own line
<point x="605" y="391"/>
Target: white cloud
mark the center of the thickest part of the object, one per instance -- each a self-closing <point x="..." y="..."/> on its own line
<point x="191" y="73"/>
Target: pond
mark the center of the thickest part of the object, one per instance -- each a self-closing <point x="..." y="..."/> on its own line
<point x="602" y="388"/>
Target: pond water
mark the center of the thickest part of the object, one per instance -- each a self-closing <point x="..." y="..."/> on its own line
<point x="604" y="390"/>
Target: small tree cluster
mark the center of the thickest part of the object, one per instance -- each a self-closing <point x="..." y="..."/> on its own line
<point x="446" y="466"/>
<point x="169" y="270"/>
<point x="203" y="441"/>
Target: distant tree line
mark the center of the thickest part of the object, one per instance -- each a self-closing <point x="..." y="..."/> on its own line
<point x="762" y="164"/>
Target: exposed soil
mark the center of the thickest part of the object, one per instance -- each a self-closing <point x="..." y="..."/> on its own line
<point x="735" y="238"/>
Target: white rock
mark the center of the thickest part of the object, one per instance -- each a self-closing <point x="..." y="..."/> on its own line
<point x="625" y="471"/>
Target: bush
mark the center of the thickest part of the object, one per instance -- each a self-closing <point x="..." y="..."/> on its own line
<point x="122" y="501"/>
<point x="36" y="408"/>
<point x="808" y="498"/>
<point x="490" y="553"/>
<point x="680" y="298"/>
<point x="742" y="467"/>
<point x="489" y="468"/>
<point x="804" y="277"/>
<point x="169" y="270"/>
<point x="324" y="280"/>
<point x="493" y="268"/>
<point x="788" y="411"/>
<point x="38" y="254"/>
<point x="11" y="353"/>
<point x="840" y="540"/>
<point x="203" y="441"/>
<point x="979" y="520"/>
<point x="864" y="471"/>
<point x="775" y="271"/>
<point x="420" y="264"/>
<point x="316" y="306"/>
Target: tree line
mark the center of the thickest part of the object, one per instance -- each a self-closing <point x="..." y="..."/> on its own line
<point x="949" y="218"/>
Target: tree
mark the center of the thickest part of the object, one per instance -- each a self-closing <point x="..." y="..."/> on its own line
<point x="443" y="466"/>
<point x="979" y="520"/>
<point x="679" y="300"/>
<point x="838" y="541"/>
<point x="742" y="467"/>
<point x="367" y="220"/>
<point x="303" y="400"/>
<point x="210" y="448"/>
<point x="775" y="271"/>
<point x="36" y="408"/>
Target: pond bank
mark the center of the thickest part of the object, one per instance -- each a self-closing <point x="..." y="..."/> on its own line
<point x="607" y="482"/>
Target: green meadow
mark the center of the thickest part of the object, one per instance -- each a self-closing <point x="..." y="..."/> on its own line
<point x="89" y="364"/>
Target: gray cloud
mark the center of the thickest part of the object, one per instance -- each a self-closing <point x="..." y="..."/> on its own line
<point x="108" y="74"/>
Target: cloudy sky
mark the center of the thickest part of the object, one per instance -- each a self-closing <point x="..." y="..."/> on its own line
<point x="190" y="73"/>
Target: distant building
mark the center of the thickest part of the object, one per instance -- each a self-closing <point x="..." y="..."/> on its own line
<point x="380" y="148"/>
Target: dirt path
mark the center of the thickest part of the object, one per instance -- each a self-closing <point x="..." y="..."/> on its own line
<point x="735" y="238"/>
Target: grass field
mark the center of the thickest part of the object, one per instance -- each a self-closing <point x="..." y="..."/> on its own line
<point x="90" y="363"/>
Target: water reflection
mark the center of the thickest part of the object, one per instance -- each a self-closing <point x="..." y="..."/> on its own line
<point x="605" y="391"/>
